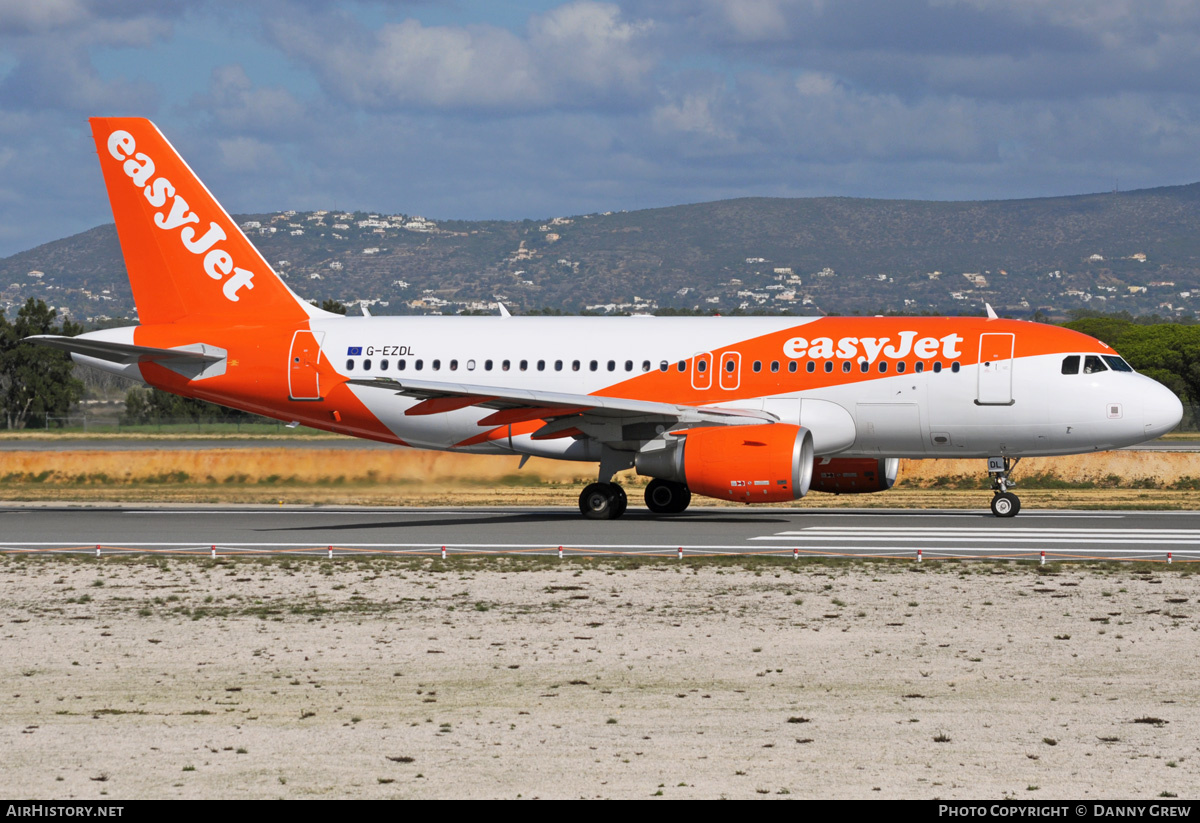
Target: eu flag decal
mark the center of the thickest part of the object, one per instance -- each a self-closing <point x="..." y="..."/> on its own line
<point x="354" y="351"/>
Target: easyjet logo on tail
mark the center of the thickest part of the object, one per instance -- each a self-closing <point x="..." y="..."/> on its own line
<point x="218" y="263"/>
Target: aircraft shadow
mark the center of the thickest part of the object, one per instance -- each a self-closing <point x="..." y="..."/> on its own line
<point x="530" y="518"/>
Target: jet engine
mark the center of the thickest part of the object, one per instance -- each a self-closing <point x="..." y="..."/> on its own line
<point x="854" y="475"/>
<point x="764" y="463"/>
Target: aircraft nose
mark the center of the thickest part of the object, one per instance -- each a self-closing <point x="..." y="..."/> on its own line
<point x="1161" y="410"/>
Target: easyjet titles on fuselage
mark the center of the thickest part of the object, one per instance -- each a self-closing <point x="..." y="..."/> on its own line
<point x="868" y="349"/>
<point x="218" y="263"/>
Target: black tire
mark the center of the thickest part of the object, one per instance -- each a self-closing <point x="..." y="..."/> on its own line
<point x="597" y="502"/>
<point x="665" y="497"/>
<point x="620" y="500"/>
<point x="1006" y="505"/>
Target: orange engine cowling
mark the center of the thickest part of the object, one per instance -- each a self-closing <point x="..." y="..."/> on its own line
<point x="765" y="463"/>
<point x="854" y="475"/>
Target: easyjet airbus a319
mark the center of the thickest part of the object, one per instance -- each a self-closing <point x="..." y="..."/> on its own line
<point x="753" y="410"/>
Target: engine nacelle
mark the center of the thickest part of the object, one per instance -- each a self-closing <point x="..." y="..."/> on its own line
<point x="767" y="463"/>
<point x="854" y="475"/>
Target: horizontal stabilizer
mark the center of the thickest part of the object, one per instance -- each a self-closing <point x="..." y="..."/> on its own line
<point x="195" y="362"/>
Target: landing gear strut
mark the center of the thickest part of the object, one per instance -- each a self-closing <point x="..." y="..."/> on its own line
<point x="1004" y="502"/>
<point x="666" y="497"/>
<point x="603" y="501"/>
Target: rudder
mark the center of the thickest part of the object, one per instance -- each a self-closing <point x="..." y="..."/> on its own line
<point x="187" y="260"/>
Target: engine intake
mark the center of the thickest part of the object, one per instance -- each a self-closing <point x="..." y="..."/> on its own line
<point x="765" y="463"/>
<point x="854" y="475"/>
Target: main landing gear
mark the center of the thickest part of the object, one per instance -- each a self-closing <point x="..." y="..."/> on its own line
<point x="1004" y="502"/>
<point x="608" y="501"/>
<point x="666" y="497"/>
<point x="603" y="501"/>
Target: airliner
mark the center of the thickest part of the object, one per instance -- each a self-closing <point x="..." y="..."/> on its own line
<point x="744" y="409"/>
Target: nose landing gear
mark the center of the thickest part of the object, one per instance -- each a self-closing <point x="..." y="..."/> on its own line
<point x="1004" y="502"/>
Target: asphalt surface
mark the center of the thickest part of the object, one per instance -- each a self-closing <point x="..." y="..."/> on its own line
<point x="1062" y="535"/>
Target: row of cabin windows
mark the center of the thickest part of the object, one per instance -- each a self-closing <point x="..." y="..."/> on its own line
<point x="681" y="366"/>
<point x="489" y="365"/>
<point x="1093" y="363"/>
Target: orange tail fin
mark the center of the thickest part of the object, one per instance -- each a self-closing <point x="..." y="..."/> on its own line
<point x="187" y="260"/>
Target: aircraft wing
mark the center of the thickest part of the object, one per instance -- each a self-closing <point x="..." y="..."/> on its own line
<point x="534" y="404"/>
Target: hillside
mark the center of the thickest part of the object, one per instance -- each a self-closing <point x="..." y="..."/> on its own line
<point x="1137" y="251"/>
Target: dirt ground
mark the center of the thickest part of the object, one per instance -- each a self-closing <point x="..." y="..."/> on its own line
<point x="381" y="678"/>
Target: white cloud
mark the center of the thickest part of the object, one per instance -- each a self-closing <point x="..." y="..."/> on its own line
<point x="573" y="53"/>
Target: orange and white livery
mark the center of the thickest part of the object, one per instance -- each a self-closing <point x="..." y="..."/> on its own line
<point x="736" y="408"/>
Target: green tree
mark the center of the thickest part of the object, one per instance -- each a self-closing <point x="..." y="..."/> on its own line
<point x="35" y="381"/>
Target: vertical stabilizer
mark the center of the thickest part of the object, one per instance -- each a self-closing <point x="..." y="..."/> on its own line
<point x="187" y="260"/>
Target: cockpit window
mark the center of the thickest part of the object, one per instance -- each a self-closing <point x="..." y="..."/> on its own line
<point x="1071" y="364"/>
<point x="1093" y="364"/>
<point x="1116" y="363"/>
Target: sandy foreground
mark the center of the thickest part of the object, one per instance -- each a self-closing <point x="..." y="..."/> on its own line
<point x="542" y="678"/>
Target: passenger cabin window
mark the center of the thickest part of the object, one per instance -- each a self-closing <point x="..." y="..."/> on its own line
<point x="628" y="365"/>
<point x="541" y="365"/>
<point x="612" y="365"/>
<point x="470" y="365"/>
<point x="593" y="365"/>
<point x="757" y="366"/>
<point x="1116" y="363"/>
<point x="810" y="367"/>
<point x="487" y="365"/>
<point x="828" y="366"/>
<point x="729" y="366"/>
<point x="900" y="367"/>
<point x="937" y="367"/>
<point x="349" y="365"/>
<point x="1093" y="364"/>
<point x="774" y="365"/>
<point x="437" y="365"/>
<point x="505" y="365"/>
<point x="558" y="365"/>
<point x="920" y="366"/>
<point x="792" y="366"/>
<point x="864" y="367"/>
<point x="645" y="365"/>
<point x="574" y="365"/>
<point x="663" y="366"/>
<point x="955" y="366"/>
<point x="883" y="367"/>
<point x="383" y="365"/>
<point x="681" y="366"/>
<point x="453" y="365"/>
<point x="845" y="367"/>
<point x="702" y="366"/>
<point x="524" y="365"/>
<point x="366" y="365"/>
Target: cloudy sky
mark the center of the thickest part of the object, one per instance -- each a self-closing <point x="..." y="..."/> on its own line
<point x="478" y="109"/>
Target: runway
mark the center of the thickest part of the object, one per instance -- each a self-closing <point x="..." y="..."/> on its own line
<point x="796" y="533"/>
